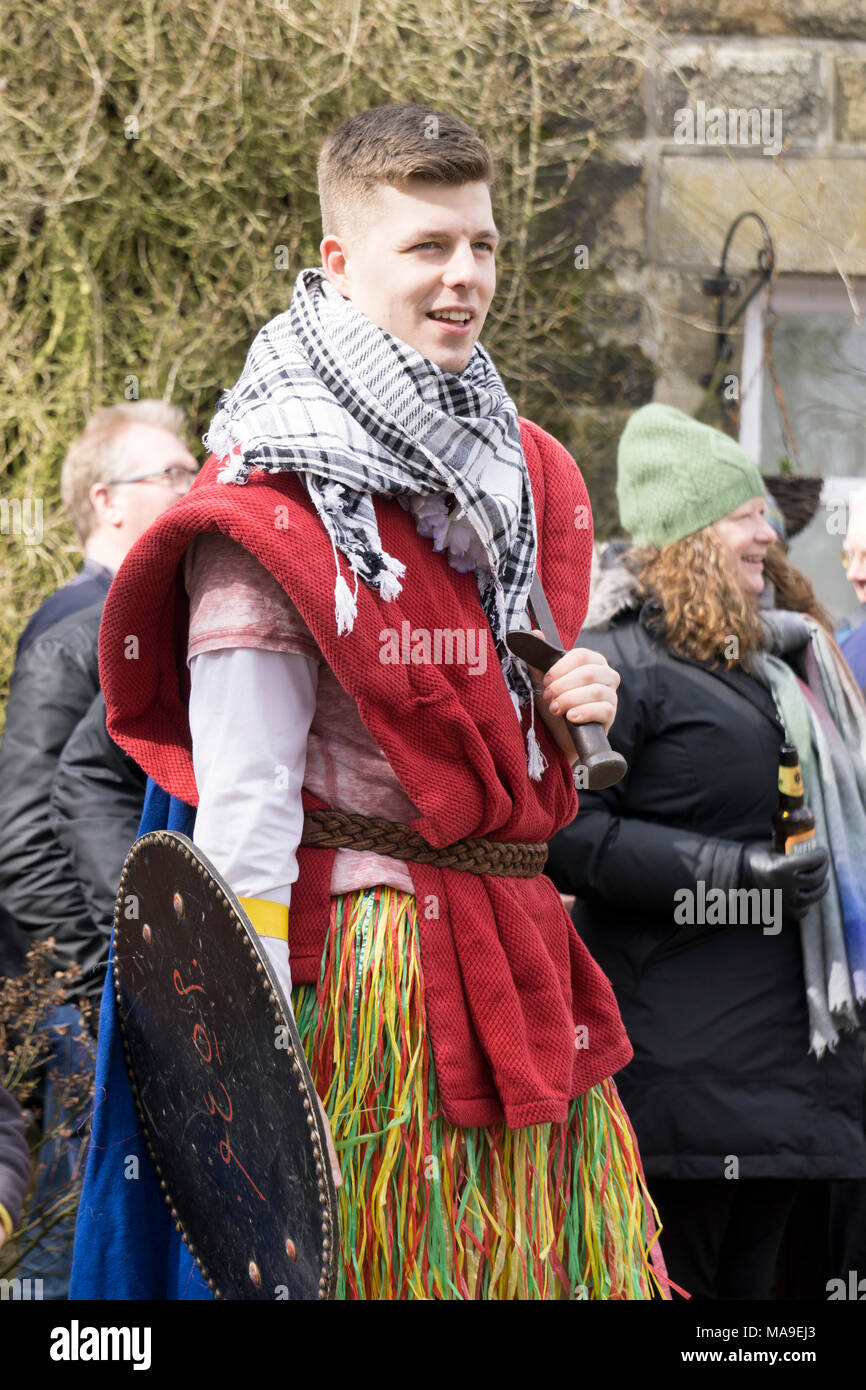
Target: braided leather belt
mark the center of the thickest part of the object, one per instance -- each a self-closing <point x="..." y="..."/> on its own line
<point x="325" y="829"/>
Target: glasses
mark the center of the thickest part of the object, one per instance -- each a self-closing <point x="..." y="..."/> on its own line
<point x="852" y="557"/>
<point x="179" y="478"/>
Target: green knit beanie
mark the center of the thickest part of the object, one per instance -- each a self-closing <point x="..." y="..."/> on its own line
<point x="675" y="476"/>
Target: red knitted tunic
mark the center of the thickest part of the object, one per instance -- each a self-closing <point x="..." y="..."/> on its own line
<point x="521" y="1018"/>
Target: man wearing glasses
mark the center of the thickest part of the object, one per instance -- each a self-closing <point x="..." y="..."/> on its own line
<point x="69" y="800"/>
<point x="852" y="636"/>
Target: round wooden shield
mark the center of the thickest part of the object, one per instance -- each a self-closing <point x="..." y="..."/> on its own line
<point x="226" y="1101"/>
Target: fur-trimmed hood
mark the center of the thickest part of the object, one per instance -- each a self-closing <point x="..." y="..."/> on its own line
<point x="612" y="586"/>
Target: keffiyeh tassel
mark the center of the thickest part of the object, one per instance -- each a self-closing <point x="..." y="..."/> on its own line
<point x="345" y="604"/>
<point x="536" y="762"/>
<point x="389" y="582"/>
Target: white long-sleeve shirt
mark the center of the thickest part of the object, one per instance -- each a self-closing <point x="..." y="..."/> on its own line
<point x="250" y="713"/>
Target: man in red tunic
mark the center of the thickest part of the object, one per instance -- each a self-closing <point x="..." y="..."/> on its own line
<point x="460" y="1037"/>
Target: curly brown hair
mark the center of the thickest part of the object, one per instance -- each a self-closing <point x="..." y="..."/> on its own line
<point x="702" y="611"/>
<point x="793" y="590"/>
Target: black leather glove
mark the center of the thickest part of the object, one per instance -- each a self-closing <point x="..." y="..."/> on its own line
<point x="802" y="878"/>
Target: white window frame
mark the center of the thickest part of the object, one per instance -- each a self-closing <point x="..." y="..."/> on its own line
<point x="792" y="294"/>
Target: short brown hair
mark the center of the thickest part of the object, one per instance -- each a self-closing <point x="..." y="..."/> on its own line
<point x="389" y="144"/>
<point x="96" y="456"/>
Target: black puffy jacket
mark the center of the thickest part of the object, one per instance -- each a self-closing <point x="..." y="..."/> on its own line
<point x="46" y="890"/>
<point x="716" y="1013"/>
<point x="96" y="800"/>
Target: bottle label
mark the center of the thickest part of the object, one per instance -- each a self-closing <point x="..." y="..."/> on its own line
<point x="791" y="781"/>
<point x="800" y="844"/>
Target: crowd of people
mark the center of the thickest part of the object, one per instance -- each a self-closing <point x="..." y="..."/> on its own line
<point x="715" y="954"/>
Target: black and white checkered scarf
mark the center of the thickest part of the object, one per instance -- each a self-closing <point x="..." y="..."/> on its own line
<point x="329" y="395"/>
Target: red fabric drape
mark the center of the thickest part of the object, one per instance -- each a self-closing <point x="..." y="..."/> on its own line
<point x="508" y="982"/>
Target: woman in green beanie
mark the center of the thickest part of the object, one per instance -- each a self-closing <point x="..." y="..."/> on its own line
<point x="745" y="1080"/>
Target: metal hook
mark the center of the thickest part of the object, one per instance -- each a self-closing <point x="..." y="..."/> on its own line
<point x="721" y="286"/>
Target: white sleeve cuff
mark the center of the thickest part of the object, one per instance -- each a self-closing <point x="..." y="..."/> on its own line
<point x="278" y="955"/>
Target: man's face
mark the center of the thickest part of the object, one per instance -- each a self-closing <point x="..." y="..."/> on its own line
<point x="127" y="509"/>
<point x="422" y="249"/>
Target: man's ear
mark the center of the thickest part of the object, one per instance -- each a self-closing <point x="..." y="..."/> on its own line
<point x="102" y="502"/>
<point x="334" y="263"/>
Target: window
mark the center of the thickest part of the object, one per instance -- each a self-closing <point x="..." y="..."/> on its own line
<point x="819" y="352"/>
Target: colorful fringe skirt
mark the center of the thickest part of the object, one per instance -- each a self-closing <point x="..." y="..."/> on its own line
<point x="431" y="1211"/>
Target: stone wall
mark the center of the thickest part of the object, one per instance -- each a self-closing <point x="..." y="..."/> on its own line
<point x="798" y="66"/>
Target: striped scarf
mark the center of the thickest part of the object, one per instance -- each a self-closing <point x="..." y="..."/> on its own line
<point x="356" y="412"/>
<point x="825" y="717"/>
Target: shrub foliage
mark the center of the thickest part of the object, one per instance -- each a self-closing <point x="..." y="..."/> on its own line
<point x="157" y="200"/>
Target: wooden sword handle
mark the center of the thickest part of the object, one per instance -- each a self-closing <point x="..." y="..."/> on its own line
<point x="603" y="766"/>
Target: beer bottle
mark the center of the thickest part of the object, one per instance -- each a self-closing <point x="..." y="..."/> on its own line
<point x="793" y="823"/>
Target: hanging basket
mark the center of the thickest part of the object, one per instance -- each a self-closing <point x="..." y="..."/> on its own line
<point x="797" y="498"/>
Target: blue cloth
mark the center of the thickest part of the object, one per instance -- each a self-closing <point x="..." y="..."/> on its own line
<point x="126" y="1246"/>
<point x="853" y="644"/>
